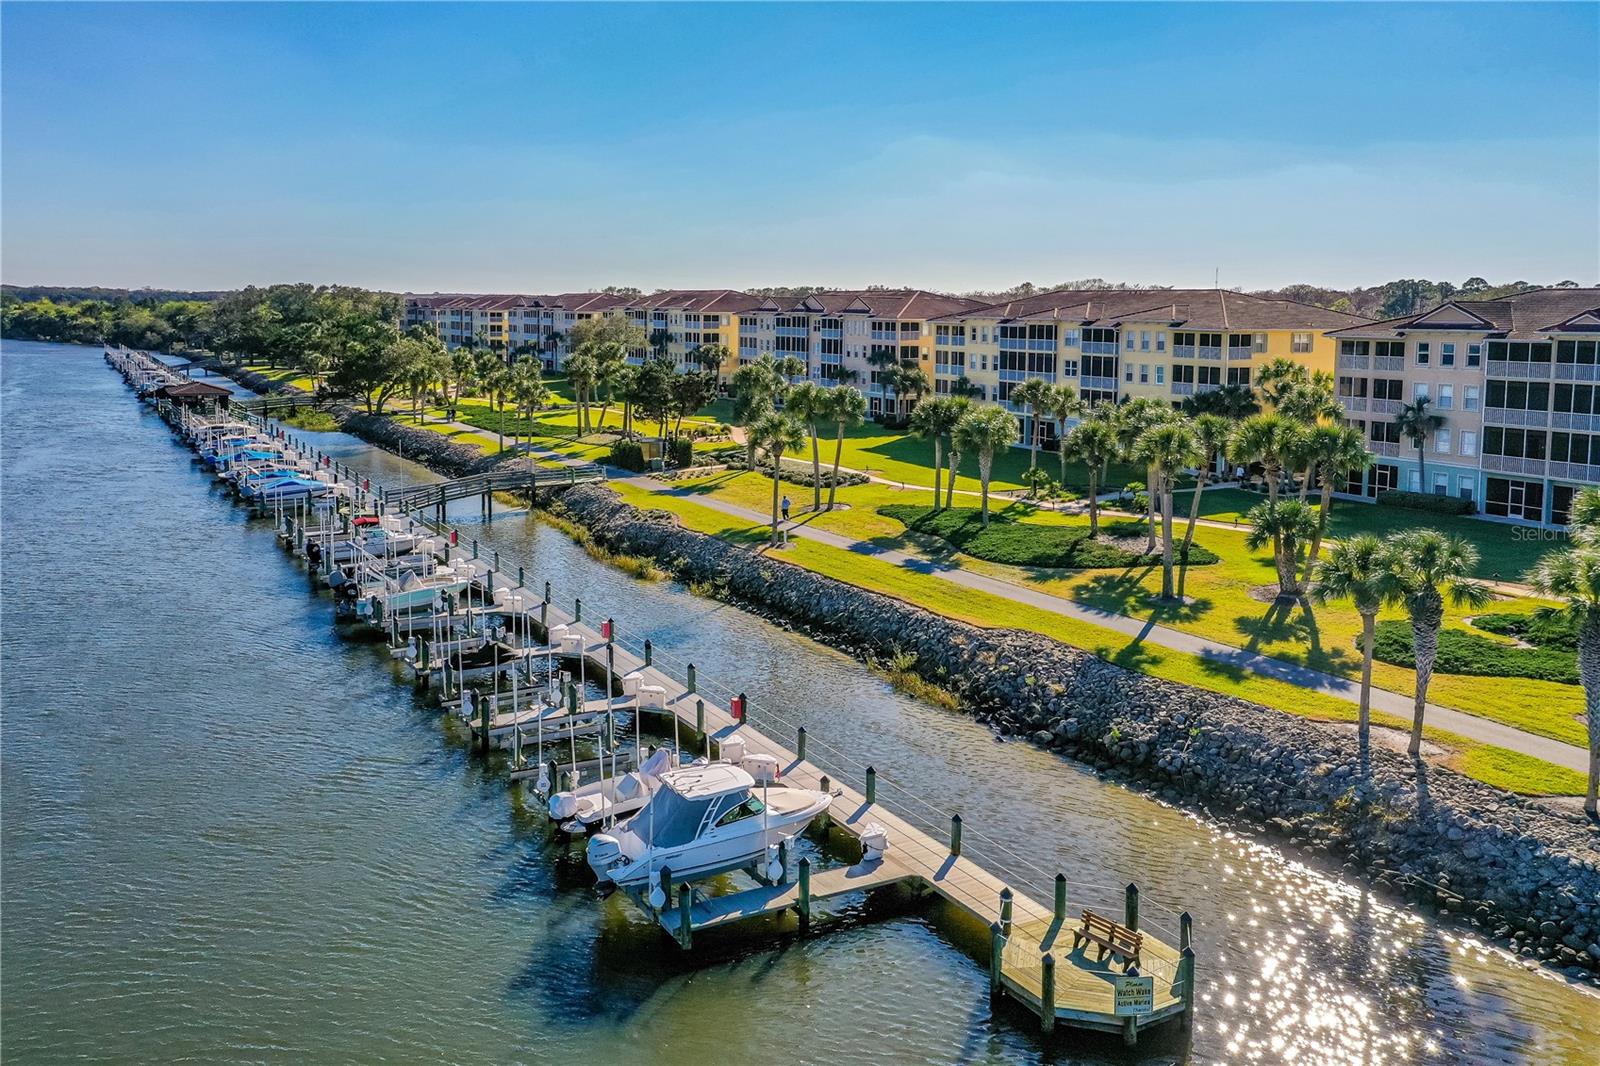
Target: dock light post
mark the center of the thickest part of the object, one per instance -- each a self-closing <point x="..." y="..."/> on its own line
<point x="872" y="785"/>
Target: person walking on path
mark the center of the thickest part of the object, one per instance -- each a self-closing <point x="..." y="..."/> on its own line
<point x="786" y="508"/>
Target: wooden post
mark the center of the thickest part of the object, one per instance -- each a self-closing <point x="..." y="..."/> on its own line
<point x="666" y="886"/>
<point x="685" y="915"/>
<point x="1130" y="907"/>
<point x="1130" y="1024"/>
<point x="1185" y="930"/>
<point x="1005" y="911"/>
<point x="474" y="549"/>
<point x="800" y="742"/>
<point x="649" y="652"/>
<point x="522" y="578"/>
<point x="804" y="906"/>
<point x="955" y="836"/>
<point x="691" y="678"/>
<point x="700" y="717"/>
<point x="547" y="592"/>
<point x="1061" y="898"/>
<point x="577" y="611"/>
<point x="997" y="951"/>
<point x="1047" y="994"/>
<point x="484" y="712"/>
<point x="872" y="785"/>
<point x="1186" y="985"/>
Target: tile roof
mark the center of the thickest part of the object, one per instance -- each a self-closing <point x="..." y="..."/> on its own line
<point x="725" y="301"/>
<point x="915" y="304"/>
<point x="1531" y="315"/>
<point x="1200" y="309"/>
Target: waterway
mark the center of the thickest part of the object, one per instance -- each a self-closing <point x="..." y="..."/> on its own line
<point x="229" y="834"/>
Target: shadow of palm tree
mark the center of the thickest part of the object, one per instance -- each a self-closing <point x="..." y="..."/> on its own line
<point x="1125" y="593"/>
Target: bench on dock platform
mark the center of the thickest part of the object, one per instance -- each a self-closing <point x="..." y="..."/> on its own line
<point x="1109" y="936"/>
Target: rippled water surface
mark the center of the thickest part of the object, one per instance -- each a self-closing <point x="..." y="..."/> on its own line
<point x="230" y="834"/>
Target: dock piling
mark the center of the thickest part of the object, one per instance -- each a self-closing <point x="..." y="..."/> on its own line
<point x="1186" y="985"/>
<point x="1130" y="1024"/>
<point x="955" y="836"/>
<point x="690" y="683"/>
<point x="1005" y="911"/>
<point x="577" y="611"/>
<point x="1047" y="994"/>
<point x="997" y="951"/>
<point x="649" y="652"/>
<point x="685" y="915"/>
<point x="804" y="904"/>
<point x="1130" y="907"/>
<point x="872" y="785"/>
<point x="1061" y="899"/>
<point x="1185" y="930"/>
<point x="800" y="743"/>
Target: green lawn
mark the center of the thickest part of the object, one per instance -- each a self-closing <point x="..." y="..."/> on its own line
<point x="1506" y="551"/>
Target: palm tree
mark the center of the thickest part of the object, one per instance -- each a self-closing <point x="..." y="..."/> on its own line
<point x="1060" y="403"/>
<point x="910" y="385"/>
<point x="1268" y="440"/>
<point x="1278" y="377"/>
<point x="810" y="402"/>
<point x="528" y="392"/>
<point x="1418" y="422"/>
<point x="846" y="407"/>
<point x="956" y="408"/>
<point x="1131" y="420"/>
<point x="1360" y="570"/>
<point x="1094" y="444"/>
<point x="1233" y="402"/>
<point x="963" y="387"/>
<point x="776" y="433"/>
<point x="1573" y="575"/>
<point x="927" y="423"/>
<point x="1335" y="452"/>
<point x="755" y="388"/>
<point x="659" y="339"/>
<point x="1430" y="565"/>
<point x="1211" y="434"/>
<point x="1167" y="449"/>
<point x="1032" y="394"/>
<point x="1285" y="525"/>
<point x="582" y="372"/>
<point x="498" y="383"/>
<point x="462" y="369"/>
<point x="986" y="430"/>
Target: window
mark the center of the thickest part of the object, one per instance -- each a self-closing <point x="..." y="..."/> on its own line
<point x="1161" y="375"/>
<point x="1353" y="387"/>
<point x="1446" y="400"/>
<point x="1519" y="395"/>
<point x="1469" y="398"/>
<point x="1423" y="353"/>
<point x="1161" y="342"/>
<point x="1519" y="351"/>
<point x="1441" y="440"/>
<point x="1130" y="340"/>
<point x="1144" y="340"/>
<point x="1144" y="373"/>
<point x="1238" y="375"/>
<point x="1300" y="343"/>
<point x="748" y="809"/>
<point x="1581" y="353"/>
<point x="1386" y="388"/>
<point x="1447" y="354"/>
<point x="1580" y="448"/>
<point x="1441" y="484"/>
<point x="1390" y="349"/>
<point x="1419" y="391"/>
<point x="1514" y="442"/>
<point x="1260" y="344"/>
<point x="1128" y="374"/>
<point x="1577" y="399"/>
<point x="1464" y="486"/>
<point x="1469" y="442"/>
<point x="1515" y="499"/>
<point x="1069" y="368"/>
<point x="1353" y="347"/>
<point x="1474" y="355"/>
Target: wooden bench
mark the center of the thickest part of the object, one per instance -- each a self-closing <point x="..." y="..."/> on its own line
<point x="1109" y="936"/>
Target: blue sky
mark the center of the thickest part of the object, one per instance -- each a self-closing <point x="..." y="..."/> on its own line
<point x="546" y="148"/>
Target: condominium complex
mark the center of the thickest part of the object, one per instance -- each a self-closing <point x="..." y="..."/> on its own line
<point x="1515" y="382"/>
<point x="1514" y="379"/>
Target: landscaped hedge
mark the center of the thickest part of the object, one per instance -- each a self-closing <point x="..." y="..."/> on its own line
<point x="1461" y="652"/>
<point x="680" y="452"/>
<point x="1427" y="501"/>
<point x="794" y="475"/>
<point x="628" y="455"/>
<point x="1023" y="544"/>
<point x="1546" y="629"/>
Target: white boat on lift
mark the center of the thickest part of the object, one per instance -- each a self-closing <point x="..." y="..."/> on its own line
<point x="703" y="820"/>
<point x="590" y="806"/>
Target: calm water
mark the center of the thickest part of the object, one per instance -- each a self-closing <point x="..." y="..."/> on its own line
<point x="229" y="834"/>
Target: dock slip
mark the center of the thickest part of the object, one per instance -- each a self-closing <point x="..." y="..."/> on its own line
<point x="1087" y="959"/>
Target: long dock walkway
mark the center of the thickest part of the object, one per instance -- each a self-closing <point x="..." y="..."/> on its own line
<point x="1035" y="957"/>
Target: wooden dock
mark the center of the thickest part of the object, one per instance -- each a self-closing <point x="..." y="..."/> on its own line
<point x="1033" y="959"/>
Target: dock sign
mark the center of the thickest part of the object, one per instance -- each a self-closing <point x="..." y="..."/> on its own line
<point x="1134" y="995"/>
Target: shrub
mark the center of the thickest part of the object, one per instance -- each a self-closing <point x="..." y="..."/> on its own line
<point x="628" y="455"/>
<point x="1544" y="629"/>
<point x="1461" y="652"/>
<point x="1020" y="544"/>
<point x="680" y="452"/>
<point x="794" y="475"/>
<point x="1426" y="501"/>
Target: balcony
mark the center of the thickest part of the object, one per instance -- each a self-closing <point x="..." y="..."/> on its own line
<point x="1183" y="351"/>
<point x="1099" y="347"/>
<point x="1585" y="423"/>
<point x="1206" y="351"/>
<point x="1182" y="388"/>
<point x="1355" y="362"/>
<point x="1576" y="471"/>
<point x="948" y="342"/>
<point x="1577" y="372"/>
<point x="1102" y="384"/>
<point x="1499" y="368"/>
<point x="1383" y="447"/>
<point x="1354" y="403"/>
<point x="1238" y="354"/>
<point x="1386" y="407"/>
<point x="1508" y="416"/>
<point x="1506" y="464"/>
<point x="1389" y="364"/>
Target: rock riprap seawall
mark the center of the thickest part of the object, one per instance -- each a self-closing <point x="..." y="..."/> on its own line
<point x="1516" y="870"/>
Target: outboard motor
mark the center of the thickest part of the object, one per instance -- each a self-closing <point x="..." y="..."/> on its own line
<point x="602" y="853"/>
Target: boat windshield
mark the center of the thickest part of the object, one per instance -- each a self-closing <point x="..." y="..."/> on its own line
<point x="669" y="819"/>
<point x="748" y="809"/>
